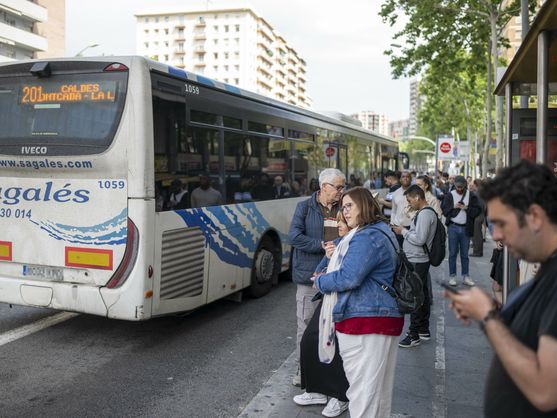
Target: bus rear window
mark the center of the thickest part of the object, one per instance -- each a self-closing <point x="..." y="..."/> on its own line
<point x="69" y="114"/>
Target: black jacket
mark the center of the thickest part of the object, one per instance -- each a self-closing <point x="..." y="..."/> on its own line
<point x="473" y="210"/>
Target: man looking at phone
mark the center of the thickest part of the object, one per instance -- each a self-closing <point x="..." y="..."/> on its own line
<point x="312" y="230"/>
<point x="460" y="207"/>
<point x="421" y="233"/>
<point x="522" y="380"/>
<point x="402" y="212"/>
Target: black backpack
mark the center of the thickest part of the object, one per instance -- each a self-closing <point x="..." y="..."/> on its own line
<point x="408" y="288"/>
<point x="438" y="245"/>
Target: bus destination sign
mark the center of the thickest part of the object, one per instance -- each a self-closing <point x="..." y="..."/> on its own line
<point x="68" y="93"/>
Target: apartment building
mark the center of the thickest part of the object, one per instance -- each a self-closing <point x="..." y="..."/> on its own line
<point x="54" y="29"/>
<point x="235" y="46"/>
<point x="415" y="104"/>
<point x="399" y="128"/>
<point x="374" y="121"/>
<point x="18" y="39"/>
<point x="513" y="32"/>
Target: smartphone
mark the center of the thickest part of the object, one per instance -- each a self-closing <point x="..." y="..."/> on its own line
<point x="447" y="286"/>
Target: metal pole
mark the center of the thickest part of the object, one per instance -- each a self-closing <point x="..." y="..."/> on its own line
<point x="508" y="260"/>
<point x="543" y="91"/>
<point x="509" y="121"/>
<point x="525" y="24"/>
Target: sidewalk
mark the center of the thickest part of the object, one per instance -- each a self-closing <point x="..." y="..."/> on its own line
<point x="442" y="377"/>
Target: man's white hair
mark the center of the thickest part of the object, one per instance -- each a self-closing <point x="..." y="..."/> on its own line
<point x="329" y="174"/>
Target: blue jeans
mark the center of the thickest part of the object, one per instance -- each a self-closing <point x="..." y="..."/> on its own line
<point x="458" y="240"/>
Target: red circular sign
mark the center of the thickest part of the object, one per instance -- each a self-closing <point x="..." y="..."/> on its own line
<point x="330" y="151"/>
<point x="445" y="147"/>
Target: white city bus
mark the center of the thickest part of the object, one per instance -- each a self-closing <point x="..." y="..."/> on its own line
<point x="88" y="151"/>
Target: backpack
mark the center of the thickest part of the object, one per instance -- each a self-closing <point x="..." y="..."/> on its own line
<point x="407" y="284"/>
<point x="438" y="245"/>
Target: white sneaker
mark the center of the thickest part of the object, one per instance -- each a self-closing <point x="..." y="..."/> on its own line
<point x="468" y="281"/>
<point x="334" y="408"/>
<point x="452" y="281"/>
<point x="310" y="398"/>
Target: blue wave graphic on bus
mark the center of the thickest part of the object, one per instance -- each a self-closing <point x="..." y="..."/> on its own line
<point x="221" y="226"/>
<point x="111" y="232"/>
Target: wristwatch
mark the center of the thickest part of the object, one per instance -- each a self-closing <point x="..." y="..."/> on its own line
<point x="492" y="314"/>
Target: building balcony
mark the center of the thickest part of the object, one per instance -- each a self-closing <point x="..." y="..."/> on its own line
<point x="200" y="49"/>
<point x="264" y="83"/>
<point x="180" y="38"/>
<point x="199" y="37"/>
<point x="23" y="38"/>
<point x="28" y="9"/>
<point x="200" y="23"/>
<point x="179" y="26"/>
<point x="179" y="51"/>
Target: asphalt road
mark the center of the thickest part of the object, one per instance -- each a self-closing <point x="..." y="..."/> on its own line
<point x="210" y="363"/>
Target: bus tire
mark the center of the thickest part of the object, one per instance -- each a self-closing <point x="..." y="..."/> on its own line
<point x="265" y="270"/>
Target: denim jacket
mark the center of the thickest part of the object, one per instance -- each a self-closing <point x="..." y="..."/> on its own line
<point x="369" y="262"/>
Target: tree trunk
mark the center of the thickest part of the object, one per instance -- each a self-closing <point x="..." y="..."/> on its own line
<point x="499" y="157"/>
<point x="488" y="107"/>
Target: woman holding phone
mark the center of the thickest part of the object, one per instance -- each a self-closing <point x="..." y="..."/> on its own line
<point x="365" y="317"/>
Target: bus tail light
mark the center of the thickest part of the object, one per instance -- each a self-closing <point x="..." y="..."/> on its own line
<point x="130" y="255"/>
<point x="116" y="67"/>
<point x="5" y="250"/>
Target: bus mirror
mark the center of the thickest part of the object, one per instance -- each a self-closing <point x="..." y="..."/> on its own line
<point x="40" y="69"/>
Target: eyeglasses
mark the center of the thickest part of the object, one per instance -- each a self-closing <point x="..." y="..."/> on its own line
<point x="339" y="188"/>
<point x="347" y="208"/>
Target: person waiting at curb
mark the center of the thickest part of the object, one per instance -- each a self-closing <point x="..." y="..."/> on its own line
<point x="313" y="224"/>
<point x="421" y="232"/>
<point x="321" y="380"/>
<point x="522" y="379"/>
<point x="460" y="207"/>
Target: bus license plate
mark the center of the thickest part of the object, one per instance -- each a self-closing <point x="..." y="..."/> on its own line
<point x="43" y="272"/>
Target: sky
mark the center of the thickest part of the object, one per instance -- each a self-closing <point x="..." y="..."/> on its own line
<point x="341" y="41"/>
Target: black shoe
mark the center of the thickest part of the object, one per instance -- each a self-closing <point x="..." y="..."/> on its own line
<point x="424" y="335"/>
<point x="409" y="341"/>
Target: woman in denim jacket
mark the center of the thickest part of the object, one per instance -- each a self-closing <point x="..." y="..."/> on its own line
<point x="367" y="320"/>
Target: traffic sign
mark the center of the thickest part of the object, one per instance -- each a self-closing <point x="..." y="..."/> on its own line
<point x="445" y="145"/>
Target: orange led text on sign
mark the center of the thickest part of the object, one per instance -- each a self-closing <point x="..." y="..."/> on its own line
<point x="91" y="92"/>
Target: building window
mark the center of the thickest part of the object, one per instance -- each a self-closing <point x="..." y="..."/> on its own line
<point x="215" y="68"/>
<point x="237" y="28"/>
<point x="156" y="31"/>
<point x="226" y="55"/>
<point x="226" y="28"/>
<point x="216" y="28"/>
<point x="146" y="44"/>
<point x="166" y="19"/>
<point x="237" y="67"/>
<point x="216" y="55"/>
<point x="146" y="20"/>
<point x="166" y="44"/>
<point x="146" y="32"/>
<point x="215" y="41"/>
<point x="166" y="31"/>
<point x="166" y="58"/>
<point x="157" y="19"/>
<point x="237" y="81"/>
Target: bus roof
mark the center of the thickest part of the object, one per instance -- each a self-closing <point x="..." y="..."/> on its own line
<point x="186" y="75"/>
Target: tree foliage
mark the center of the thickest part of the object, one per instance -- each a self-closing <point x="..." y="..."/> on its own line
<point x="449" y="43"/>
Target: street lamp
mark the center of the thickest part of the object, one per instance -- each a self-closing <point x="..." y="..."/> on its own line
<point x="431" y="141"/>
<point x="80" y="53"/>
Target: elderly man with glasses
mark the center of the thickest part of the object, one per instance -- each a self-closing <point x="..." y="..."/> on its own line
<point x="313" y="228"/>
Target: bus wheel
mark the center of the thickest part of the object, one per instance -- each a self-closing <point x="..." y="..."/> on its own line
<point x="266" y="266"/>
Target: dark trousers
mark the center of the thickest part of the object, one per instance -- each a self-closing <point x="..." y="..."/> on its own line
<point x="478" y="238"/>
<point x="419" y="320"/>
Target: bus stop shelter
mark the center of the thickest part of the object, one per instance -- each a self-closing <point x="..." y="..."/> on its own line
<point x="531" y="133"/>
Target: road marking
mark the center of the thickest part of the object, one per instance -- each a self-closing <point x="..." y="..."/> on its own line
<point x="39" y="325"/>
<point x="439" y="402"/>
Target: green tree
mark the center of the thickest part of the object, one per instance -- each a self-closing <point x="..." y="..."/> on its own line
<point x="451" y="37"/>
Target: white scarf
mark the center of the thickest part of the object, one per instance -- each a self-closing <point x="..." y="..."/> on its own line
<point x="326" y="325"/>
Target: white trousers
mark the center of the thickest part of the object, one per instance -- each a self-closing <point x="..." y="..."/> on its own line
<point x="369" y="363"/>
<point x="304" y="311"/>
